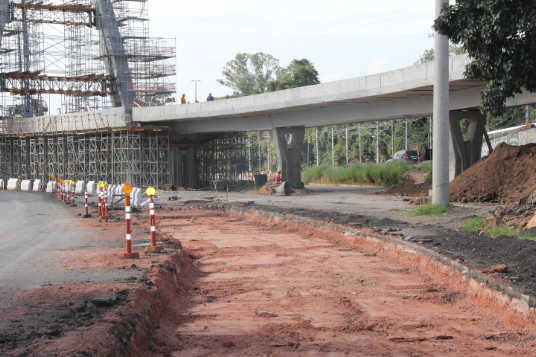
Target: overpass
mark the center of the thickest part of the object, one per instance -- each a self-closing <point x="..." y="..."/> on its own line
<point x="402" y="93"/>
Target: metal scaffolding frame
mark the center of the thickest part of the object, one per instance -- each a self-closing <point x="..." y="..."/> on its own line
<point x="137" y="155"/>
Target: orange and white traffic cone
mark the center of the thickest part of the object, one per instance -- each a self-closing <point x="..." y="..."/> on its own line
<point x="128" y="254"/>
<point x="86" y="205"/>
<point x="153" y="247"/>
<point x="73" y="187"/>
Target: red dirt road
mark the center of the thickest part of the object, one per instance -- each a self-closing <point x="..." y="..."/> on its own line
<point x="267" y="289"/>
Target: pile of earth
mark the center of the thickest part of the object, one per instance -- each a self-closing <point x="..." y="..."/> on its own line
<point x="408" y="189"/>
<point x="506" y="176"/>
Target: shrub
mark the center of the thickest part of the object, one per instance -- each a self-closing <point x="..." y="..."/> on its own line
<point x="429" y="210"/>
<point x="473" y="224"/>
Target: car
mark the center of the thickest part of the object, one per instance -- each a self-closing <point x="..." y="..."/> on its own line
<point x="407" y="155"/>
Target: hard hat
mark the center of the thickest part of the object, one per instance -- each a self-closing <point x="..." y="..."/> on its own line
<point x="279" y="170"/>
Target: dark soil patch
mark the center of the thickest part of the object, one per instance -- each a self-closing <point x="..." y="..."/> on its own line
<point x="506" y="176"/>
<point x="408" y="189"/>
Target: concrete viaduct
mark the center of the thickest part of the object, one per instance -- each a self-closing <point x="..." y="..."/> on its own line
<point x="402" y="93"/>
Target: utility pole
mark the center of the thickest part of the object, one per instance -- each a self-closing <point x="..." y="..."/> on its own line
<point x="317" y="158"/>
<point x="308" y="145"/>
<point x="377" y="142"/>
<point x="359" y="142"/>
<point x="332" y="147"/>
<point x="392" y="138"/>
<point x="440" y="168"/>
<point x="196" y="80"/>
<point x="346" y="145"/>
<point x="406" y="133"/>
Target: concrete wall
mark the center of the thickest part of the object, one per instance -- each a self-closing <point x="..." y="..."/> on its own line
<point x="105" y="118"/>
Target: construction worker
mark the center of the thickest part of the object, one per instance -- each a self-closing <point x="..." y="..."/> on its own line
<point x="183" y="99"/>
<point x="210" y="98"/>
<point x="277" y="179"/>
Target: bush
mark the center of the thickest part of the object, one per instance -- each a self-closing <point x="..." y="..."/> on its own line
<point x="473" y="224"/>
<point x="429" y="210"/>
<point x="388" y="174"/>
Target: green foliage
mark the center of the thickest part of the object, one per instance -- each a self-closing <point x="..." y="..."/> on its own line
<point x="249" y="74"/>
<point x="473" y="224"/>
<point x="388" y="174"/>
<point x="501" y="230"/>
<point x="429" y="55"/>
<point x="527" y="236"/>
<point x="429" y="210"/>
<point x="500" y="38"/>
<point x="299" y="73"/>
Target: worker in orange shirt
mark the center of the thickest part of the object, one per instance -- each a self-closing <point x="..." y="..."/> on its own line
<point x="183" y="99"/>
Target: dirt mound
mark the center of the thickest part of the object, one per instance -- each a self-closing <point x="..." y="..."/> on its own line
<point x="264" y="190"/>
<point x="506" y="176"/>
<point x="408" y="189"/>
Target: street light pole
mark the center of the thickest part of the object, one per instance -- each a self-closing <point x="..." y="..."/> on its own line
<point x="196" y="80"/>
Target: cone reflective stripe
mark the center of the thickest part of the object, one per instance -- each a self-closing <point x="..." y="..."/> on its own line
<point x="128" y="254"/>
<point x="86" y="204"/>
<point x="153" y="247"/>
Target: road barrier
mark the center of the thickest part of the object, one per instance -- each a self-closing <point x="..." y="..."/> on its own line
<point x="26" y="185"/>
<point x="37" y="185"/>
<point x="51" y="186"/>
<point x="13" y="184"/>
<point x="105" y="211"/>
<point x="91" y="188"/>
<point x="2" y="184"/>
<point x="127" y="189"/>
<point x="80" y="188"/>
<point x="153" y="248"/>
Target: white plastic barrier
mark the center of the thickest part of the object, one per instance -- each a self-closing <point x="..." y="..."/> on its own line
<point x="135" y="197"/>
<point x="26" y="185"/>
<point x="37" y="185"/>
<point x="91" y="188"/>
<point x="1" y="184"/>
<point x="52" y="186"/>
<point x="13" y="184"/>
<point x="80" y="188"/>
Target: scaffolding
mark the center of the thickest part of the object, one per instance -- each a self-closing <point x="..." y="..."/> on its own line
<point x="139" y="155"/>
<point x="81" y="55"/>
<point x="229" y="158"/>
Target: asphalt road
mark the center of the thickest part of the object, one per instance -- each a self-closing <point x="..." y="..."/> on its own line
<point x="34" y="230"/>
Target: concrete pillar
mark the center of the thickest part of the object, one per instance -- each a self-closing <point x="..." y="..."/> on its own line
<point x="440" y="169"/>
<point x="466" y="149"/>
<point x="289" y="154"/>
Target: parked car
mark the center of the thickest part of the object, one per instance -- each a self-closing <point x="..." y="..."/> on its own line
<point x="412" y="156"/>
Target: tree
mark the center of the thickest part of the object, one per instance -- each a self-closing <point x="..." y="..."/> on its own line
<point x="429" y="55"/>
<point x="249" y="74"/>
<point x="299" y="73"/>
<point x="500" y="38"/>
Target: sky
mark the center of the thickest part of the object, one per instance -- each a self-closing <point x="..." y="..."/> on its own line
<point x="343" y="38"/>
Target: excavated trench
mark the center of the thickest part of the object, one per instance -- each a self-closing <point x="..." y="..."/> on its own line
<point x="248" y="282"/>
<point x="267" y="285"/>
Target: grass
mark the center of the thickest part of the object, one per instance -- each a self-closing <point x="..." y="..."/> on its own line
<point x="388" y="174"/>
<point x="429" y="210"/>
<point x="473" y="224"/>
<point x="496" y="231"/>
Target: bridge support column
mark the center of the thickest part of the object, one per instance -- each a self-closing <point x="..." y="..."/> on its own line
<point x="288" y="147"/>
<point x="466" y="149"/>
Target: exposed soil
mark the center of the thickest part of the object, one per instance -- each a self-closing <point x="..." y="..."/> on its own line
<point x="270" y="288"/>
<point x="506" y="176"/>
<point x="408" y="189"/>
